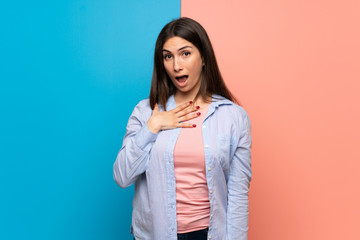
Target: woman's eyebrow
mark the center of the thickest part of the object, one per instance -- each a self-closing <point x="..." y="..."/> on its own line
<point x="184" y="47"/>
<point x="165" y="50"/>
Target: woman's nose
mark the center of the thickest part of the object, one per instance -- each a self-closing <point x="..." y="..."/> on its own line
<point x="177" y="65"/>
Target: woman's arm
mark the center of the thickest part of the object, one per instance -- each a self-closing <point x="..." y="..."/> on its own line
<point x="238" y="184"/>
<point x="134" y="154"/>
<point x="141" y="133"/>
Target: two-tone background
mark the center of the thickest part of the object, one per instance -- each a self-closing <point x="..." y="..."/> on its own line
<point x="72" y="71"/>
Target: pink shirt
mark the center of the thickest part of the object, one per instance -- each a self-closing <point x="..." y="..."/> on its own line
<point x="192" y="195"/>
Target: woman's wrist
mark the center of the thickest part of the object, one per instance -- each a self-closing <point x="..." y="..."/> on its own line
<point x="153" y="127"/>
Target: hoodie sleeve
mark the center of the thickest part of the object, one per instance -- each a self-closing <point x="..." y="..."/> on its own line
<point x="239" y="182"/>
<point x="133" y="157"/>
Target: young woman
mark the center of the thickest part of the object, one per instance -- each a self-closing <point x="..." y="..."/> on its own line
<point x="187" y="147"/>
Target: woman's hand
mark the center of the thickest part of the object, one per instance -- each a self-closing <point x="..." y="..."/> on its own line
<point x="172" y="119"/>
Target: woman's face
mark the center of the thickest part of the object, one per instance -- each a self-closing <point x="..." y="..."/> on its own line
<point x="183" y="64"/>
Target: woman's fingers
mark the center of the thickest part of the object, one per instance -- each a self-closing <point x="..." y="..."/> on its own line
<point x="187" y="125"/>
<point x="178" y="117"/>
<point x="182" y="107"/>
<point x="189" y="117"/>
<point x="185" y="109"/>
<point x="188" y="110"/>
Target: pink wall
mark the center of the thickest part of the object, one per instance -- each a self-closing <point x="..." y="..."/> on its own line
<point x="295" y="67"/>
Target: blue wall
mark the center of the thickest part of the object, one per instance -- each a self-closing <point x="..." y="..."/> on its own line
<point x="71" y="73"/>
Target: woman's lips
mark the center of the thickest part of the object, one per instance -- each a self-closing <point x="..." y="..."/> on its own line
<point x="182" y="79"/>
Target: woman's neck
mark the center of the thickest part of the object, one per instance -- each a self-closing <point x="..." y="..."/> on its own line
<point x="200" y="101"/>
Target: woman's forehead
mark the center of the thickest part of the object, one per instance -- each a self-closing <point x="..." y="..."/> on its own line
<point x="176" y="43"/>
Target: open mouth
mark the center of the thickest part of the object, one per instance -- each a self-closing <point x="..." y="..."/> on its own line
<point x="182" y="78"/>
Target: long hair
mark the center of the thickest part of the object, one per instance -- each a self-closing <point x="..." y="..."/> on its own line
<point x="211" y="81"/>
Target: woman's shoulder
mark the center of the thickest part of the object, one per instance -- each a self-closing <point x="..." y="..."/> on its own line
<point x="239" y="110"/>
<point x="142" y="108"/>
<point x="226" y="105"/>
<point x="145" y="103"/>
<point x="233" y="116"/>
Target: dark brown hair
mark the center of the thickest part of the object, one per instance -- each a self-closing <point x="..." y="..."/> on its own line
<point x="211" y="81"/>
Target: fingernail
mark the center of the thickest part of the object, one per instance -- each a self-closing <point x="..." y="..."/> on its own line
<point x="194" y="125"/>
<point x="198" y="113"/>
<point x="190" y="102"/>
<point x="197" y="107"/>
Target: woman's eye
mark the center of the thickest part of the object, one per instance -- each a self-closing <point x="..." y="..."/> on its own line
<point x="186" y="54"/>
<point x="167" y="56"/>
